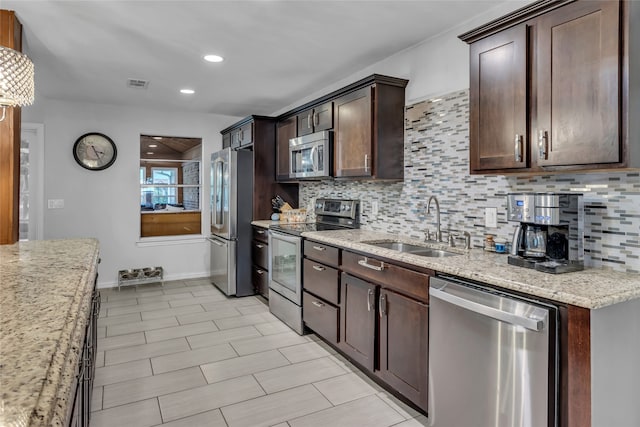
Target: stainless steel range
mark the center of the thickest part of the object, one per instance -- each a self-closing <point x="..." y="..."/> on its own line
<point x="285" y="256"/>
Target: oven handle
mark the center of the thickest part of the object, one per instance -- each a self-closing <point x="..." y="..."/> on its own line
<point x="284" y="237"/>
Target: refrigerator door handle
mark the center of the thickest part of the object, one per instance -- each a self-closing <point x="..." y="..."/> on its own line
<point x="218" y="194"/>
<point x="216" y="242"/>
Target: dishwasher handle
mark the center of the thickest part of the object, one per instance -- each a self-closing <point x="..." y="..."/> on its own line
<point x="503" y="316"/>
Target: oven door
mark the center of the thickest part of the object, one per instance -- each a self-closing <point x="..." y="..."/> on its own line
<point x="285" y="265"/>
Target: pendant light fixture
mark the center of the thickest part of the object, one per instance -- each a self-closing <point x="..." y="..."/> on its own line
<point x="16" y="79"/>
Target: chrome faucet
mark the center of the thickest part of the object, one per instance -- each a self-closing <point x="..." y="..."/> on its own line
<point x="438" y="232"/>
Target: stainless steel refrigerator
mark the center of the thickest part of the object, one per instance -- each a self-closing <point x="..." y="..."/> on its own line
<point x="231" y="215"/>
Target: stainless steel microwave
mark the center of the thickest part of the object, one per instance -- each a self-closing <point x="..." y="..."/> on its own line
<point x="310" y="155"/>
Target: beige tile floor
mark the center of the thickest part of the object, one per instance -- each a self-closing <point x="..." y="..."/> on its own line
<point x="183" y="354"/>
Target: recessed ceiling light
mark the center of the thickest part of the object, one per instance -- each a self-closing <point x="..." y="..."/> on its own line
<point x="153" y="145"/>
<point x="157" y="138"/>
<point x="213" y="58"/>
<point x="187" y="91"/>
<point x="149" y="152"/>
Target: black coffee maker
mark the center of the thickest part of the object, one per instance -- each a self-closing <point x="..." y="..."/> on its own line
<point x="550" y="233"/>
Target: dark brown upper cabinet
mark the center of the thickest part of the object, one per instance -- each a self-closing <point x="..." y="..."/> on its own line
<point x="367" y="118"/>
<point x="498" y="101"/>
<point x="578" y="85"/>
<point x="316" y="119"/>
<point x="285" y="130"/>
<point x="258" y="134"/>
<point x="549" y="89"/>
<point x="368" y="129"/>
<point x="242" y="136"/>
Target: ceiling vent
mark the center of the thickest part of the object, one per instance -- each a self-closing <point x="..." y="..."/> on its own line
<point x="137" y="83"/>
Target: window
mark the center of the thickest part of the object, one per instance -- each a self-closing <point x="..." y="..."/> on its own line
<point x="170" y="177"/>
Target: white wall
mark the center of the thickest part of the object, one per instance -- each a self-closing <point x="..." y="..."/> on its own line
<point x="435" y="66"/>
<point x="105" y="204"/>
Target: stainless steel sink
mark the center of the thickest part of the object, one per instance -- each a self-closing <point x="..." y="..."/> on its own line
<point x="412" y="249"/>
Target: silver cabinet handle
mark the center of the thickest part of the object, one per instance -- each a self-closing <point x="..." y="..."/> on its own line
<point x="369" y="295"/>
<point x="317" y="304"/>
<point x="383" y="303"/>
<point x="316" y="119"/>
<point x="309" y="125"/>
<point x="365" y="263"/>
<point x="543" y="142"/>
<point x="260" y="272"/>
<point x="518" y="148"/>
<point x="259" y="246"/>
<point x="260" y="231"/>
<point x="318" y="268"/>
<point x="366" y="163"/>
<point x="319" y="248"/>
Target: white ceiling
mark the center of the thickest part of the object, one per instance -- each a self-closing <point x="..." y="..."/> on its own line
<point x="276" y="52"/>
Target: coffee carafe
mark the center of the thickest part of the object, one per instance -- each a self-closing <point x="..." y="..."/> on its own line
<point x="535" y="242"/>
<point x="550" y="232"/>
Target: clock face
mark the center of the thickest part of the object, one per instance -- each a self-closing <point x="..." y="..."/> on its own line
<point x="94" y="151"/>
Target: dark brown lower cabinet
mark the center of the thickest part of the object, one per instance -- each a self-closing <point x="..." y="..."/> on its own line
<point x="323" y="318"/>
<point x="404" y="328"/>
<point x="260" y="279"/>
<point x="358" y="320"/>
<point x="81" y="409"/>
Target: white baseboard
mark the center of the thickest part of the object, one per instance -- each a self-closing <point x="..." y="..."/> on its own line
<point x="168" y="277"/>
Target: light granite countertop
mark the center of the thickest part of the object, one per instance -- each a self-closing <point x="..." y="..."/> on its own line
<point x="590" y="288"/>
<point x="45" y="295"/>
<point x="264" y="223"/>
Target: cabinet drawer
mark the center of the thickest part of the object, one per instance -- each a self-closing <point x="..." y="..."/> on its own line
<point x="260" y="280"/>
<point x="260" y="234"/>
<point x="321" y="316"/>
<point x="260" y="254"/>
<point x="402" y="279"/>
<point x="321" y="252"/>
<point x="321" y="280"/>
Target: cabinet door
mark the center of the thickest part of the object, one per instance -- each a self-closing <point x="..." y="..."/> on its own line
<point x="352" y="134"/>
<point x="357" y="320"/>
<point x="578" y="85"/>
<point x="226" y="140"/>
<point x="245" y="134"/>
<point x="305" y="122"/>
<point x="260" y="280"/>
<point x="404" y="345"/>
<point x="498" y="101"/>
<point x="260" y="254"/>
<point x="235" y="139"/>
<point x="323" y="117"/>
<point x="285" y="130"/>
<point x="323" y="318"/>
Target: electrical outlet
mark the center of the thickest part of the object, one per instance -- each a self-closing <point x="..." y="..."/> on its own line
<point x="55" y="203"/>
<point x="491" y="217"/>
<point x="374" y="208"/>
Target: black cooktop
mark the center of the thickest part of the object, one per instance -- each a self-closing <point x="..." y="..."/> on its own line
<point x="301" y="227"/>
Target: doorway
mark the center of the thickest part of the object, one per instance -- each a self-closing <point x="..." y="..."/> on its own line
<point x="31" y="220"/>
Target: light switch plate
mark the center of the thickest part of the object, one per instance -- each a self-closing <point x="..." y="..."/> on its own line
<point x="491" y="217"/>
<point x="55" y="203"/>
<point x="374" y="208"/>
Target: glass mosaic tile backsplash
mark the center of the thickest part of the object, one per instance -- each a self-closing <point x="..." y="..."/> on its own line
<point x="436" y="163"/>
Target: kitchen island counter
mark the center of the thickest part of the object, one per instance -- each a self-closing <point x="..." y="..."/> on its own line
<point x="45" y="300"/>
<point x="590" y="288"/>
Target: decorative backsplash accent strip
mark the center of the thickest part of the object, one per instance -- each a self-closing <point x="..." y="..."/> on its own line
<point x="437" y="163"/>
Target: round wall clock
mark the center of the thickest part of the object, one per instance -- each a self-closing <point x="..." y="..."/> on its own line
<point x="94" y="151"/>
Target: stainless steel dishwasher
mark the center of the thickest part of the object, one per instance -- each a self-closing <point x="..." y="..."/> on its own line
<point x="492" y="357"/>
